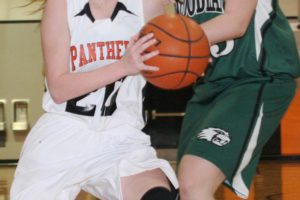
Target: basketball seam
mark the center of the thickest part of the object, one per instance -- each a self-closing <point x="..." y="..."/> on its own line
<point x="171" y="73"/>
<point x="178" y="56"/>
<point x="177" y="38"/>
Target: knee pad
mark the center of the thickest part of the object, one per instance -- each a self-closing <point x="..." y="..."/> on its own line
<point x="161" y="193"/>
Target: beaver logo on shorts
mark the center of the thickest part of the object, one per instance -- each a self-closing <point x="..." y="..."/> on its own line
<point x="216" y="136"/>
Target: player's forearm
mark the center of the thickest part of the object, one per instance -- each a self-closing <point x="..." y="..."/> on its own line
<point x="70" y="85"/>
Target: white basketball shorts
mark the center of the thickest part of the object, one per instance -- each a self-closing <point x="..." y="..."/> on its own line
<point x="62" y="156"/>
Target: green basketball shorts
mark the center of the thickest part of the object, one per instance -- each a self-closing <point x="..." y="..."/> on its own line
<point x="228" y="123"/>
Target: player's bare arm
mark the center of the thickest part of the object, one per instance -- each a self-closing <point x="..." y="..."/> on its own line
<point x="233" y="23"/>
<point x="64" y="85"/>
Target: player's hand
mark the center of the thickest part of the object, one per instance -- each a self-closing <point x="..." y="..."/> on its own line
<point x="134" y="57"/>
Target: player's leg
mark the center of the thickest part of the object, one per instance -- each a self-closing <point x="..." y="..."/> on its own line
<point x="198" y="178"/>
<point x="148" y="185"/>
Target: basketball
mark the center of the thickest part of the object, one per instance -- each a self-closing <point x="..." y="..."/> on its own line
<point x="183" y="51"/>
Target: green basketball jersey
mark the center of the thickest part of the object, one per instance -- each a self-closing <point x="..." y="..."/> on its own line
<point x="268" y="48"/>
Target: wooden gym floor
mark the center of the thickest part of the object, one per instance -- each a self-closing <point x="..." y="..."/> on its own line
<point x="275" y="180"/>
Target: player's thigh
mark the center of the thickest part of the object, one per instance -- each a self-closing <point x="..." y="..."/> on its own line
<point x="196" y="174"/>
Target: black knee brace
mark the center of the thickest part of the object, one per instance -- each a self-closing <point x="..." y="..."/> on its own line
<point x="161" y="193"/>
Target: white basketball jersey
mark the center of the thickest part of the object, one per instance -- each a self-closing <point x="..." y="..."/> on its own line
<point x="96" y="43"/>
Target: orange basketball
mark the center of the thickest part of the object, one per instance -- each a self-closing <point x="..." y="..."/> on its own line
<point x="183" y="51"/>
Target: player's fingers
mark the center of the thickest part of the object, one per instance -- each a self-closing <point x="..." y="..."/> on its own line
<point x="149" y="55"/>
<point x="130" y="44"/>
<point x="135" y="37"/>
<point x="143" y="39"/>
<point x="147" y="44"/>
<point x="150" y="68"/>
<point x="133" y="40"/>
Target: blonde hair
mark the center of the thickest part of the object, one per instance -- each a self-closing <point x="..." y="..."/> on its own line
<point x="33" y="1"/>
<point x="43" y="2"/>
